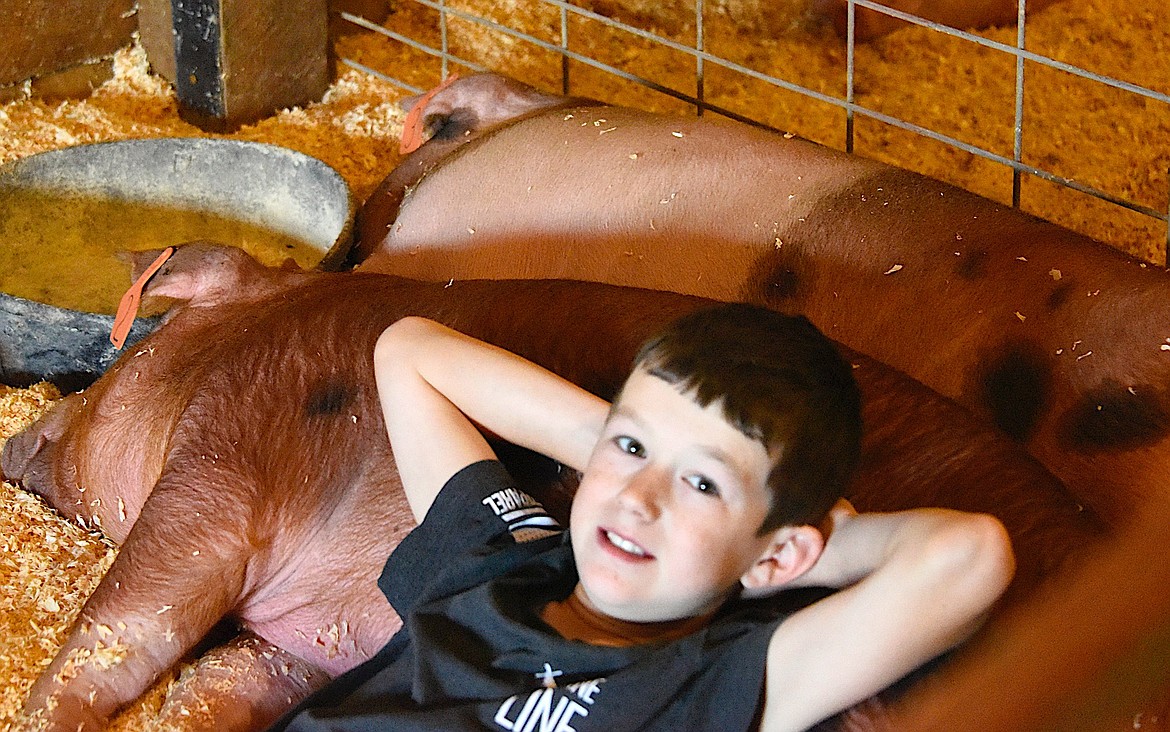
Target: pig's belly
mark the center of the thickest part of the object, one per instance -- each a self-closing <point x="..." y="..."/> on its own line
<point x="322" y="602"/>
<point x="335" y="628"/>
<point x="335" y="636"/>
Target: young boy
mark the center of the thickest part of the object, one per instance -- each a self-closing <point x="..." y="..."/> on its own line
<point x="701" y="491"/>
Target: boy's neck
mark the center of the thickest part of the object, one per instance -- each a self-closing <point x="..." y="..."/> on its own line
<point x="573" y="618"/>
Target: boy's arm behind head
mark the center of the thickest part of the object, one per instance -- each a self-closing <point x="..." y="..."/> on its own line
<point x="927" y="579"/>
<point x="431" y="439"/>
<point x="437" y="387"/>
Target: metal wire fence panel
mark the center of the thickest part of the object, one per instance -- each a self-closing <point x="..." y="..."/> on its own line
<point x="1066" y="115"/>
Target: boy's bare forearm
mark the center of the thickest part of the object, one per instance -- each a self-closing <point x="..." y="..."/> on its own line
<point x="860" y="544"/>
<point x="916" y="583"/>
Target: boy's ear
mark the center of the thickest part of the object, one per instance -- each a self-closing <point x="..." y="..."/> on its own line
<point x="792" y="552"/>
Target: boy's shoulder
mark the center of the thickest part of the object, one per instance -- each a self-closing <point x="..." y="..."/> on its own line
<point x="479" y="510"/>
<point x="484" y="500"/>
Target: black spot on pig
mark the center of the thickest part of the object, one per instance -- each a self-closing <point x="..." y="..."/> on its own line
<point x="971" y="265"/>
<point x="453" y="126"/>
<point x="777" y="279"/>
<point x="329" y="398"/>
<point x="1112" y="416"/>
<point x="781" y="284"/>
<point x="1014" y="387"/>
<point x="1059" y="296"/>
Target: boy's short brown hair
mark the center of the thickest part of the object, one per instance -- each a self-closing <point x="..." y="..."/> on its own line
<point x="781" y="382"/>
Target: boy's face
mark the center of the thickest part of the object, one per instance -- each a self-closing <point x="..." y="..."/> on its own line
<point x="666" y="518"/>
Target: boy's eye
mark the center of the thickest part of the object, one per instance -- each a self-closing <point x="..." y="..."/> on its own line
<point x="629" y="445"/>
<point x="702" y="484"/>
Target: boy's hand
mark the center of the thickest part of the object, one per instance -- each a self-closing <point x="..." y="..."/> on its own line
<point x="841" y="512"/>
<point x="832" y="567"/>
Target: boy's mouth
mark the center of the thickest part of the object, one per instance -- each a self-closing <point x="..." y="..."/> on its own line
<point x="624" y="546"/>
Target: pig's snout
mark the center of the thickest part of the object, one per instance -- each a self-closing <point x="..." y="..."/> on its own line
<point x="28" y="457"/>
<point x="15" y="456"/>
<point x="25" y="456"/>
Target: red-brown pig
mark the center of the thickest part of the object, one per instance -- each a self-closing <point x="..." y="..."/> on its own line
<point x="1092" y="654"/>
<point x="1062" y="342"/>
<point x="967" y="14"/>
<point x="239" y="457"/>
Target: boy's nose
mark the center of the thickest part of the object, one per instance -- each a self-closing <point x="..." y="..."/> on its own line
<point x="643" y="494"/>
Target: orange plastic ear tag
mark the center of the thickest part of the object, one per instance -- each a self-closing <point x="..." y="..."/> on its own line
<point x="128" y="306"/>
<point x="412" y="128"/>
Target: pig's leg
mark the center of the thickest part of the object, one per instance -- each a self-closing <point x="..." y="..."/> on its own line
<point x="243" y="685"/>
<point x="180" y="570"/>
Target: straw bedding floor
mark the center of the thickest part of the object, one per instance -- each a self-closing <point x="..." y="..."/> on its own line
<point x="48" y="565"/>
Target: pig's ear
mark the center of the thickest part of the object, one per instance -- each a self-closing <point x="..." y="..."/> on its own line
<point x="204" y="273"/>
<point x="138" y="261"/>
<point x="177" y="279"/>
<point x="408" y="103"/>
<point x="176" y="283"/>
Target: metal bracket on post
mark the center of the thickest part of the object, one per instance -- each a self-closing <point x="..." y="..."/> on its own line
<point x="199" y="79"/>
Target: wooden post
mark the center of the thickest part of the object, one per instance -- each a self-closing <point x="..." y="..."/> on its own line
<point x="235" y="61"/>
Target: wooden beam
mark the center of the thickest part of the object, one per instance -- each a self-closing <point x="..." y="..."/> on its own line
<point x="75" y="82"/>
<point x="44" y="36"/>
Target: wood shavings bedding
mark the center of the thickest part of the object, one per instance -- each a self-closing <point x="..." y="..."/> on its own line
<point x="48" y="566"/>
<point x="354" y="129"/>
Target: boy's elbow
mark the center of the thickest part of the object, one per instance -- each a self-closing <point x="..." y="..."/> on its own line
<point x="397" y="338"/>
<point x="975" y="558"/>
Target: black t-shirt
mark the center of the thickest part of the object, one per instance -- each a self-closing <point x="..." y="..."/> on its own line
<point x="474" y="654"/>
